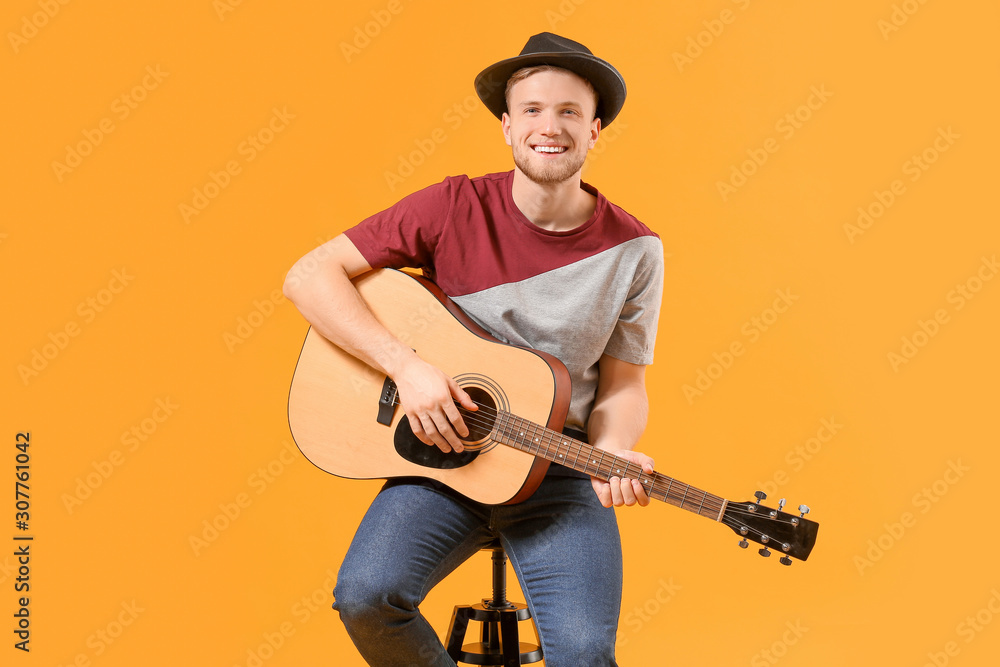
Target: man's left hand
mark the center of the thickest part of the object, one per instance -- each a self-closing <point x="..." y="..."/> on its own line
<point x="618" y="491"/>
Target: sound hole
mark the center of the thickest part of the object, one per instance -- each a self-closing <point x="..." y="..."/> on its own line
<point x="479" y="422"/>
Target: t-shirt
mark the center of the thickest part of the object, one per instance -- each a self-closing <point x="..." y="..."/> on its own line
<point x="577" y="295"/>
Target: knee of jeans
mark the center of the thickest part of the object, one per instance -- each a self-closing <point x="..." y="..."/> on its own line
<point x="592" y="647"/>
<point x="364" y="596"/>
<point x="584" y="651"/>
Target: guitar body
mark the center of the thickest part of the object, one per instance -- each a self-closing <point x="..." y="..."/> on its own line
<point x="334" y="401"/>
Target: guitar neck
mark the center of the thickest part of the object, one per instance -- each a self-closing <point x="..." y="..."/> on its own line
<point x="539" y="441"/>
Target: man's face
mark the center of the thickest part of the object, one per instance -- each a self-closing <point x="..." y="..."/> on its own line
<point x="550" y="125"/>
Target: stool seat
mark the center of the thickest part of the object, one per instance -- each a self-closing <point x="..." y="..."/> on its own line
<point x="499" y="642"/>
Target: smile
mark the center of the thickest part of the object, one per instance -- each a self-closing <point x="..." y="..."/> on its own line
<point x="549" y="149"/>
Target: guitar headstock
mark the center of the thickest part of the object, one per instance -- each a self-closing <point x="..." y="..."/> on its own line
<point x="790" y="535"/>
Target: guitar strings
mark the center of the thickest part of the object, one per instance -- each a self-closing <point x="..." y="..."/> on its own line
<point x="661" y="487"/>
<point x="548" y="437"/>
<point x="657" y="485"/>
<point x="490" y="416"/>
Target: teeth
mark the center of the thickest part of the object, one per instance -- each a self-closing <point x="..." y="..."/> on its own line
<point x="550" y="149"/>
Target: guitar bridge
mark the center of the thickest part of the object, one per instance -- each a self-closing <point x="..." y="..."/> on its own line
<point x="387" y="402"/>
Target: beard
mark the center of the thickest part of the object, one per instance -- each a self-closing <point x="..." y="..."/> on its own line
<point x="548" y="173"/>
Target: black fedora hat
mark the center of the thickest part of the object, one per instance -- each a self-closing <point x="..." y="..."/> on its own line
<point x="549" y="49"/>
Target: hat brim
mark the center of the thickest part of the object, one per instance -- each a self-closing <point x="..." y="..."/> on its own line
<point x="491" y="84"/>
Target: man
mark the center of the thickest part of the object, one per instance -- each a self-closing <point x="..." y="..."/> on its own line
<point x="540" y="259"/>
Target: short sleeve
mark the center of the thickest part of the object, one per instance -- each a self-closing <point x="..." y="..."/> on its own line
<point x="634" y="335"/>
<point x="405" y="234"/>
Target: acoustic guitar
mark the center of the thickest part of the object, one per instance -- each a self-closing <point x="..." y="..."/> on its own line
<point x="343" y="416"/>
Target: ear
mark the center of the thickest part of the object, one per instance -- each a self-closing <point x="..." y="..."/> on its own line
<point x="595" y="131"/>
<point x="505" y="126"/>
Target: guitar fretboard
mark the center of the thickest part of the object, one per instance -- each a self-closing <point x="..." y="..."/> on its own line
<point x="559" y="448"/>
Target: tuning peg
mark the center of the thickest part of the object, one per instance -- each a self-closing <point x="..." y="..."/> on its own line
<point x="761" y="496"/>
<point x="765" y="552"/>
<point x="743" y="543"/>
<point x="781" y="504"/>
<point x="804" y="509"/>
<point x="785" y="560"/>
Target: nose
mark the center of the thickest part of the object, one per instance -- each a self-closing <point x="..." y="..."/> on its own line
<point x="550" y="124"/>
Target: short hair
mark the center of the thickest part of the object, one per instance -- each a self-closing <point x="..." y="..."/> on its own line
<point x="525" y="72"/>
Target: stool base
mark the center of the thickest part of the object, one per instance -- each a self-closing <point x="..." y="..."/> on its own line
<point x="499" y="643"/>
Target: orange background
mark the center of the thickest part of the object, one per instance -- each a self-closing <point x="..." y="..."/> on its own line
<point x="187" y="347"/>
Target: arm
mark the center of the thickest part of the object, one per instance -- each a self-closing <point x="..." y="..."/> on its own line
<point x="617" y="420"/>
<point x="320" y="286"/>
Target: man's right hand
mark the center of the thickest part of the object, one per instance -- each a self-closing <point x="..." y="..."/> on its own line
<point x="428" y="397"/>
<point x="320" y="287"/>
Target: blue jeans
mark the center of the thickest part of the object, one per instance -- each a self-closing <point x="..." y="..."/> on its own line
<point x="563" y="545"/>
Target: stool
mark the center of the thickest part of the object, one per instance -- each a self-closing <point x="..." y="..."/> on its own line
<point x="499" y="643"/>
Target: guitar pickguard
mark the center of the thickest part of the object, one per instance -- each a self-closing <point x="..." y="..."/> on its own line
<point x="486" y="395"/>
<point x="427" y="456"/>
